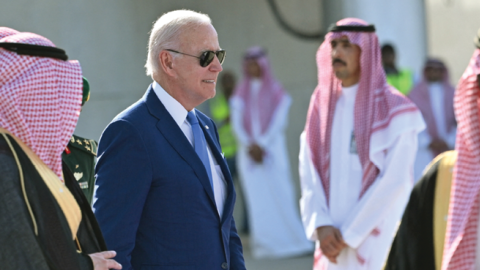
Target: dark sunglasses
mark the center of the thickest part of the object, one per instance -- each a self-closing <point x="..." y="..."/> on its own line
<point x="207" y="56"/>
<point x="34" y="50"/>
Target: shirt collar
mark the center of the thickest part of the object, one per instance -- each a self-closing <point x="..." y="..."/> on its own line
<point x="350" y="91"/>
<point x="176" y="110"/>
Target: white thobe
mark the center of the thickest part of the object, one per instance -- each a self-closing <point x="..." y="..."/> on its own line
<point x="179" y="114"/>
<point x="424" y="155"/>
<point x="380" y="208"/>
<point x="275" y="225"/>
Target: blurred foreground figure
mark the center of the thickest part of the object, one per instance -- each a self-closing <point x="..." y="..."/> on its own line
<point x="401" y="79"/>
<point x="45" y="220"/>
<point x="165" y="196"/>
<point x="259" y="117"/>
<point x="434" y="97"/>
<point x="356" y="153"/>
<point x="438" y="233"/>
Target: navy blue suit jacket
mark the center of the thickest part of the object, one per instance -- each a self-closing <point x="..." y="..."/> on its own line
<point x="154" y="202"/>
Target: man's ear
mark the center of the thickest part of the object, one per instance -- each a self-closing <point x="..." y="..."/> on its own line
<point x="166" y="62"/>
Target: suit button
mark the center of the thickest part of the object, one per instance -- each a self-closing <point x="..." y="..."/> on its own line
<point x="224" y="265"/>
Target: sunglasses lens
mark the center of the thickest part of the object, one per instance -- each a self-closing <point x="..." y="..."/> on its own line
<point x="221" y="56"/>
<point x="207" y="58"/>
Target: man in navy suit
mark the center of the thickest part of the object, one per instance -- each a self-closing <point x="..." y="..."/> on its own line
<point x="165" y="195"/>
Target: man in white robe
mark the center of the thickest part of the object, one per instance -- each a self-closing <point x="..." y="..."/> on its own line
<point x="357" y="152"/>
<point x="433" y="95"/>
<point x="259" y="112"/>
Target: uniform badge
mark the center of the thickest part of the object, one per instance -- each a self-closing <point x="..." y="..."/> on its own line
<point x="78" y="175"/>
<point x="72" y="139"/>
<point x="79" y="142"/>
<point x="83" y="185"/>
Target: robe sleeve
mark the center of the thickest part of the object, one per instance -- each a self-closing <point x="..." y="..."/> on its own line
<point x="278" y="123"/>
<point x="389" y="189"/>
<point x="236" y="114"/>
<point x="20" y="249"/>
<point x="313" y="203"/>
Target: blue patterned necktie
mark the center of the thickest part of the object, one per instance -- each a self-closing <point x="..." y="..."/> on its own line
<point x="200" y="144"/>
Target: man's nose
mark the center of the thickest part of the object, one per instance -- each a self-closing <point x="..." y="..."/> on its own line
<point x="215" y="66"/>
<point x="335" y="52"/>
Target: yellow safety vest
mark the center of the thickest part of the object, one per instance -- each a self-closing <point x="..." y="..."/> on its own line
<point x="403" y="81"/>
<point x="220" y="112"/>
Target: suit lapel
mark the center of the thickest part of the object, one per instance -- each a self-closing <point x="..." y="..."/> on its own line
<point x="175" y="137"/>
<point x="223" y="165"/>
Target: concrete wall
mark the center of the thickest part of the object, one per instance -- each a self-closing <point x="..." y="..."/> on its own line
<point x="451" y="26"/>
<point x="109" y="38"/>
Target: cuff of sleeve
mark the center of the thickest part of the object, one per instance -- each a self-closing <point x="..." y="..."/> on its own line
<point x="352" y="239"/>
<point x="316" y="221"/>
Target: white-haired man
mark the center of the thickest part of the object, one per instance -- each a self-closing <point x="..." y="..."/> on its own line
<point x="165" y="195"/>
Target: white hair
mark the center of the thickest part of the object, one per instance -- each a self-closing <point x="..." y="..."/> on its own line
<point x="165" y="32"/>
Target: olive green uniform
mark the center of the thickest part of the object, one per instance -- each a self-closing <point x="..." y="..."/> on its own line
<point x="80" y="157"/>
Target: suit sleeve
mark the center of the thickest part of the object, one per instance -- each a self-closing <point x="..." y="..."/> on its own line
<point x="237" y="261"/>
<point x="123" y="178"/>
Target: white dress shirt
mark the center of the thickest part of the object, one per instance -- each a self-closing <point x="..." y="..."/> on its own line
<point x="179" y="114"/>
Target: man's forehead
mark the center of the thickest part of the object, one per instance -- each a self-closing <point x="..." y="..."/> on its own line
<point x="201" y="38"/>
<point x="341" y="39"/>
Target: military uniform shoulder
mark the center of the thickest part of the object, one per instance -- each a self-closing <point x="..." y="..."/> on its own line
<point x="87" y="145"/>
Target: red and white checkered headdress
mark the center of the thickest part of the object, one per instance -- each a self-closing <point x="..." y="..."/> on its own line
<point x="269" y="96"/>
<point x="40" y="98"/>
<point x="461" y="237"/>
<point x="376" y="103"/>
<point x="421" y="97"/>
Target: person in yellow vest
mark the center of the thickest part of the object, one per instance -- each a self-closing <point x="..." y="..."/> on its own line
<point x="220" y="112"/>
<point x="401" y="79"/>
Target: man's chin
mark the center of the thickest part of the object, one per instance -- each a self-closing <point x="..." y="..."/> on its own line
<point x="340" y="75"/>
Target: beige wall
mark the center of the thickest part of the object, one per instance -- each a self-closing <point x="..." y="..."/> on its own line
<point x="451" y="26"/>
<point x="109" y="38"/>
